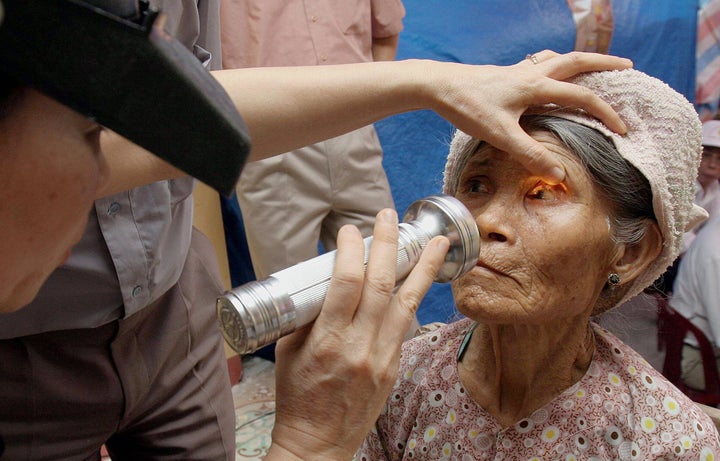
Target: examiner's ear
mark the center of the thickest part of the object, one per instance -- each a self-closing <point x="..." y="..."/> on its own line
<point x="634" y="259"/>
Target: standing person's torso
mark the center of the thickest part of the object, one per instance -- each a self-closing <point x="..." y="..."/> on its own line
<point x="262" y="33"/>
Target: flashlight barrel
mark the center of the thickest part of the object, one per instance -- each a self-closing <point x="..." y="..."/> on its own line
<point x="307" y="283"/>
<point x="260" y="312"/>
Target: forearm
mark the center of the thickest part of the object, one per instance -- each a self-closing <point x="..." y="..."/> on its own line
<point x="291" y="107"/>
<point x="132" y="166"/>
<point x="287" y="108"/>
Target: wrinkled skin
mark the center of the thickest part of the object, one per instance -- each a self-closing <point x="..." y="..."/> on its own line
<point x="545" y="254"/>
<point x="546" y="250"/>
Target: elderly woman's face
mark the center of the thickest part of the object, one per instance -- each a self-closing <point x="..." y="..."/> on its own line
<point x="546" y="249"/>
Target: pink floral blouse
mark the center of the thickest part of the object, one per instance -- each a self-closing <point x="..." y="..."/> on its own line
<point x="621" y="409"/>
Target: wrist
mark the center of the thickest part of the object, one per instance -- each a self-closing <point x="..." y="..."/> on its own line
<point x="420" y="85"/>
<point x="289" y="444"/>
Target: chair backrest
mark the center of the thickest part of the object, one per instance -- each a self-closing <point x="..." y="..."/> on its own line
<point x="674" y="327"/>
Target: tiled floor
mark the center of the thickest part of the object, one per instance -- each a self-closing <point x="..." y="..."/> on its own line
<point x="254" y="398"/>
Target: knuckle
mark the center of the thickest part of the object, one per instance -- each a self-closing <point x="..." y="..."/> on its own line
<point x="381" y="284"/>
<point x="379" y="367"/>
<point x="409" y="300"/>
<point x="387" y="377"/>
<point x="586" y="93"/>
<point x="347" y="280"/>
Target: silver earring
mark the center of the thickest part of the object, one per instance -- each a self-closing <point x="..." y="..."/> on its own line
<point x="613" y="280"/>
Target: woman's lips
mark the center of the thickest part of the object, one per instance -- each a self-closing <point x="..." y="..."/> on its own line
<point x="487" y="267"/>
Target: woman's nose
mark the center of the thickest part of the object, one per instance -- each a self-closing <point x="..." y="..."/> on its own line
<point x="493" y="222"/>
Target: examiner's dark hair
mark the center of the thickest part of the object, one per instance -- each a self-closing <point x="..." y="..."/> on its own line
<point x="8" y="94"/>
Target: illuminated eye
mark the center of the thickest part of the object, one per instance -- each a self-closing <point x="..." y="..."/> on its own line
<point x="546" y="192"/>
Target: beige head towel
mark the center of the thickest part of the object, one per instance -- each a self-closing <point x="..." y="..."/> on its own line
<point x="664" y="142"/>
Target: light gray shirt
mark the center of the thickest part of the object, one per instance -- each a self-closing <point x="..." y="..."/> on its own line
<point x="696" y="289"/>
<point x="136" y="242"/>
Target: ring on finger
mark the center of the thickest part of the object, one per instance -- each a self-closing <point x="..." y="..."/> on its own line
<point x="533" y="59"/>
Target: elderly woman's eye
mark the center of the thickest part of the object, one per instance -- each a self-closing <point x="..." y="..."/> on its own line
<point x="475" y="185"/>
<point x="546" y="192"/>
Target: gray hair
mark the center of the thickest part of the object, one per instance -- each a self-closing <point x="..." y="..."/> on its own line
<point x="619" y="183"/>
<point x="663" y="141"/>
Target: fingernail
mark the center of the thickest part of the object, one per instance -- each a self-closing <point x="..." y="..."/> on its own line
<point x="388" y="215"/>
<point x="443" y="244"/>
<point x="557" y="175"/>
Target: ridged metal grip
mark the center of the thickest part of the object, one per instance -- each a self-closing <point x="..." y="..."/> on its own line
<point x="258" y="313"/>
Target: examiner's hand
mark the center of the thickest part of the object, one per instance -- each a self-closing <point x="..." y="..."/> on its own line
<point x="332" y="378"/>
<point x="487" y="101"/>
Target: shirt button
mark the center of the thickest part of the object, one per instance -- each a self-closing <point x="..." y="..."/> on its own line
<point x="136" y="291"/>
<point x="314" y="18"/>
<point x="113" y="208"/>
<point x="323" y="57"/>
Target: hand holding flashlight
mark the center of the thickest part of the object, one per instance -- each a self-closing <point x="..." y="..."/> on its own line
<point x="259" y="313"/>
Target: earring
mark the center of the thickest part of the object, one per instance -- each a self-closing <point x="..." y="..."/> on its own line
<point x="613" y="280"/>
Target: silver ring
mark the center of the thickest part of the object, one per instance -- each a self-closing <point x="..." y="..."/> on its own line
<point x="533" y="59"/>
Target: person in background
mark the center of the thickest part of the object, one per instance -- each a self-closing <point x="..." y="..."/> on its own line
<point x="707" y="195"/>
<point x="293" y="201"/>
<point x="527" y="374"/>
<point x="149" y="379"/>
<point x="707" y="184"/>
<point x="695" y="296"/>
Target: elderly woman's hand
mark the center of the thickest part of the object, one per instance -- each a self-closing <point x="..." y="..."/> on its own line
<point x="487" y="101"/>
<point x="334" y="377"/>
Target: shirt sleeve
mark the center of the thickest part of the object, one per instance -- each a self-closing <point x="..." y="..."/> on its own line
<point x="710" y="294"/>
<point x="209" y="34"/>
<point x="387" y="16"/>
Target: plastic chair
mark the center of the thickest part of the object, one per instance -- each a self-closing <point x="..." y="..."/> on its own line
<point x="674" y="327"/>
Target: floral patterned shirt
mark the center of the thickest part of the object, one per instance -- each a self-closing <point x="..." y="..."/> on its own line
<point x="621" y="409"/>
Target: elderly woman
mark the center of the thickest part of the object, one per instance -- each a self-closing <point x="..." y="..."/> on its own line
<point x="527" y="375"/>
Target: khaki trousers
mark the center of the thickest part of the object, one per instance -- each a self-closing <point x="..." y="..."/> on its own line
<point x="291" y="201"/>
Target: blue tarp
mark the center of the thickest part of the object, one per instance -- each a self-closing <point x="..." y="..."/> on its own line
<point x="658" y="35"/>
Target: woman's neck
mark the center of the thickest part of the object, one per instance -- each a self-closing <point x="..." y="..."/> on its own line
<point x="512" y="370"/>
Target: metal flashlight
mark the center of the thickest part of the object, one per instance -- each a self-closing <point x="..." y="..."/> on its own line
<point x="259" y="313"/>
